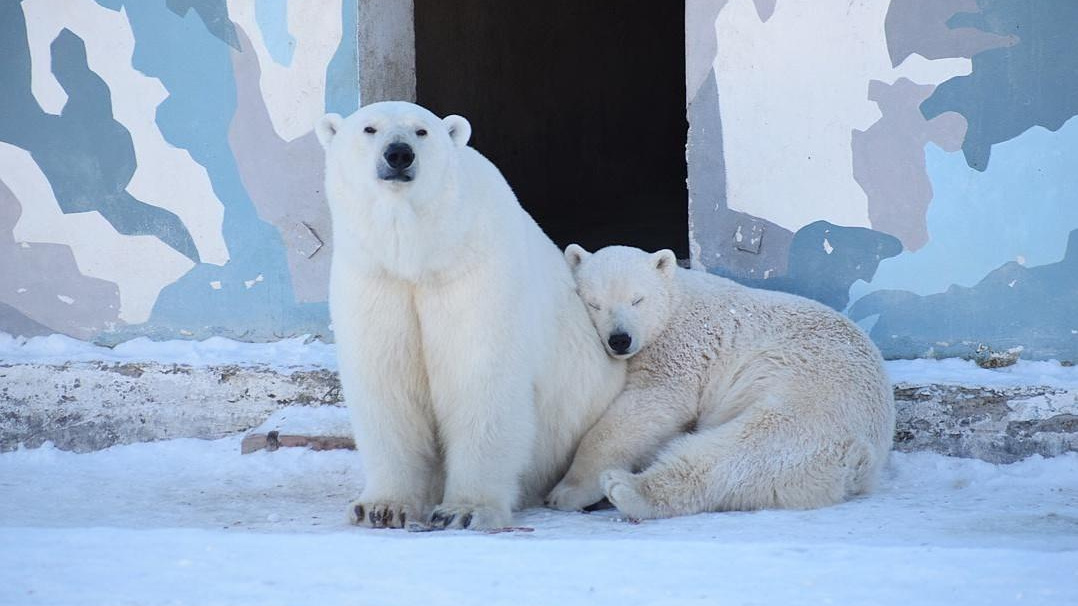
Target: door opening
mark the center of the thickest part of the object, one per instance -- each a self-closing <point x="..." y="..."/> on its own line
<point x="581" y="104"/>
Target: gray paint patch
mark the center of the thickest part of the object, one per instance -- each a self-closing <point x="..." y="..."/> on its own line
<point x="826" y="259"/>
<point x="16" y="323"/>
<point x="723" y="235"/>
<point x="1032" y="307"/>
<point x="920" y="26"/>
<point x="1013" y="89"/>
<point x="889" y="159"/>
<point x="41" y="286"/>
<point x="284" y="180"/>
<point x="85" y="154"/>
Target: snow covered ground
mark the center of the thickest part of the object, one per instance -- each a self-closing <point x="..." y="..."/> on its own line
<point x="194" y="522"/>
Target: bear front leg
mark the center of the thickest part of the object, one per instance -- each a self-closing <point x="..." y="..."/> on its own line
<point x="629" y="434"/>
<point x="401" y="471"/>
<point x="384" y="385"/>
<point x="487" y="438"/>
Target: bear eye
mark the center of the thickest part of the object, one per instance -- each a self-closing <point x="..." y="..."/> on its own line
<point x="638" y="301"/>
<point x="593" y="306"/>
<point x="370" y="130"/>
<point x="421" y="132"/>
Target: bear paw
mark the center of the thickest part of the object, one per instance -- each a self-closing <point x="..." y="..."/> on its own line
<point x="381" y="514"/>
<point x="621" y="488"/>
<point x="568" y="496"/>
<point x="472" y="517"/>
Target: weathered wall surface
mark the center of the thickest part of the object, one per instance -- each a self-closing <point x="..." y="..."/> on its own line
<point x="158" y="170"/>
<point x="908" y="161"/>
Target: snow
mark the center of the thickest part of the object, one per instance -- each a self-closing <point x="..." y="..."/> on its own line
<point x="59" y="349"/>
<point x="194" y="522"/>
<point x="311" y="353"/>
<point x="955" y="371"/>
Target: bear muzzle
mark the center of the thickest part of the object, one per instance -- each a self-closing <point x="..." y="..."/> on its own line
<point x="620" y="343"/>
<point x="398" y="163"/>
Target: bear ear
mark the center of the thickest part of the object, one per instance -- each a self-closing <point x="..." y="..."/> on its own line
<point x="460" y="130"/>
<point x="327" y="128"/>
<point x="575" y="255"/>
<point x="665" y="261"/>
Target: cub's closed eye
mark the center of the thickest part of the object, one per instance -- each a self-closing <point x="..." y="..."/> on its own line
<point x="638" y="301"/>
<point x="594" y="306"/>
<point x="370" y="130"/>
<point x="421" y="132"/>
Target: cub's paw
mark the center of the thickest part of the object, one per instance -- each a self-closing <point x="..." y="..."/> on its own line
<point x="568" y="496"/>
<point x="381" y="514"/>
<point x="472" y="517"/>
<point x="621" y="488"/>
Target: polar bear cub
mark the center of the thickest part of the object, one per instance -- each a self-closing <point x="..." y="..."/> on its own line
<point x="737" y="398"/>
<point x="468" y="362"/>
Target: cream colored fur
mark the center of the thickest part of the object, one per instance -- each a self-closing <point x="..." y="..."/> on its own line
<point x="737" y="398"/>
<point x="467" y="360"/>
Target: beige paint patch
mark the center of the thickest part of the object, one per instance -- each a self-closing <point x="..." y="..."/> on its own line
<point x="165" y="176"/>
<point x="792" y="90"/>
<point x="139" y="265"/>
<point x="294" y="94"/>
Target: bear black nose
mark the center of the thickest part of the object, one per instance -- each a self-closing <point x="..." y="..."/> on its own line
<point x="399" y="155"/>
<point x="620" y="342"/>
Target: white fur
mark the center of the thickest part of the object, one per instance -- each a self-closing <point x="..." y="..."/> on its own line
<point x="467" y="360"/>
<point x="737" y="398"/>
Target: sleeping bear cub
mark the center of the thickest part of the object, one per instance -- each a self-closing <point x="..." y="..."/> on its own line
<point x="737" y="398"/>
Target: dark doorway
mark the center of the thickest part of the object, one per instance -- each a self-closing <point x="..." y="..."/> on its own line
<point x="580" y="103"/>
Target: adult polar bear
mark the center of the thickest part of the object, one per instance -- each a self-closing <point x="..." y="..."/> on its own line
<point x="468" y="361"/>
<point x="737" y="398"/>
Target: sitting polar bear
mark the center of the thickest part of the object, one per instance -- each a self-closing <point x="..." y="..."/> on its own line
<point x="467" y="360"/>
<point x="737" y="398"/>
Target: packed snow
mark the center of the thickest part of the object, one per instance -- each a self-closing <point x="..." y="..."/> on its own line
<point x="195" y="522"/>
<point x="305" y="352"/>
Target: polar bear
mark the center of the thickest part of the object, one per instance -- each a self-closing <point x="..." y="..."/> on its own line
<point x="736" y="398"/>
<point x="467" y="360"/>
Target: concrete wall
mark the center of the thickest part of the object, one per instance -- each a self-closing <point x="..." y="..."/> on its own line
<point x="909" y="161"/>
<point x="158" y="170"/>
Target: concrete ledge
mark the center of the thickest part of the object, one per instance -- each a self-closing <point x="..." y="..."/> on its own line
<point x="87" y="406"/>
<point x="999" y="425"/>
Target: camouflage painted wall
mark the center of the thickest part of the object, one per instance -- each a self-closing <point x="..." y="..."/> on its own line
<point x="158" y="171"/>
<point x="912" y="162"/>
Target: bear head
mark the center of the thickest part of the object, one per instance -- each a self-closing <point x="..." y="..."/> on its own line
<point x="628" y="293"/>
<point x="391" y="147"/>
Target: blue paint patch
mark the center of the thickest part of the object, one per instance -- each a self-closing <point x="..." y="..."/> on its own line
<point x="342" y="72"/>
<point x="214" y="15"/>
<point x="1022" y="206"/>
<point x="1015" y="88"/>
<point x="1035" y="308"/>
<point x="196" y="117"/>
<point x="825" y="259"/>
<point x="87" y="156"/>
<point x="272" y="19"/>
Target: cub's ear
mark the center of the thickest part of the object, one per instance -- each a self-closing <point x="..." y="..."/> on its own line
<point x="460" y="130"/>
<point x="575" y="255"/>
<point x="665" y="262"/>
<point x="327" y="128"/>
